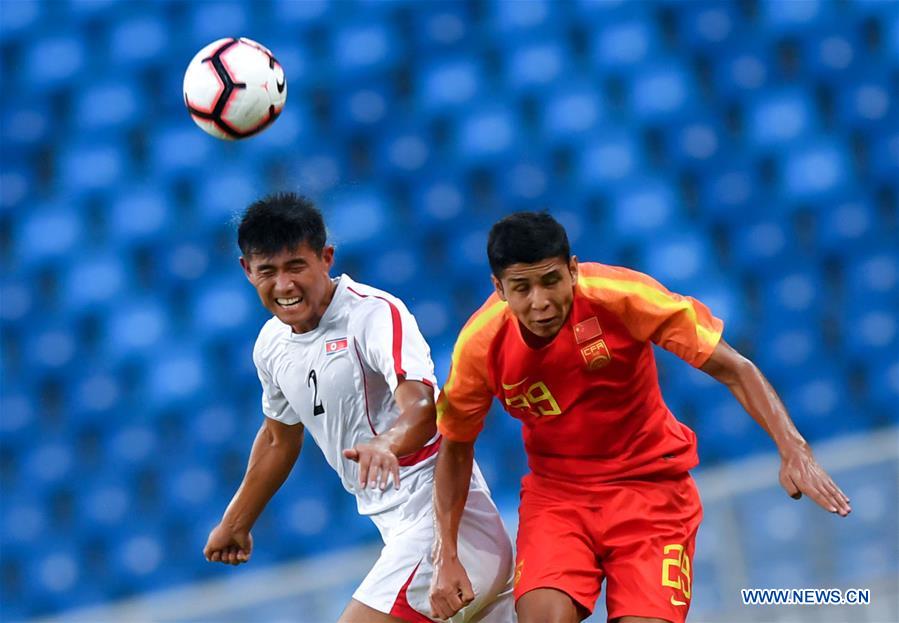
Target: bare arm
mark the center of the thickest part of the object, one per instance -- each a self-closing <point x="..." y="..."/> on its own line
<point x="274" y="454"/>
<point x="450" y="587"/>
<point x="417" y="423"/>
<point x="800" y="472"/>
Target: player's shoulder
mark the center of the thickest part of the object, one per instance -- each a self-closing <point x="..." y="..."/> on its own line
<point x="269" y="338"/>
<point x="362" y="299"/>
<point x="483" y="326"/>
<point x="600" y="282"/>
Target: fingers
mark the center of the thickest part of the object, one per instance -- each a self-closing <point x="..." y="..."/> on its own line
<point x="396" y="475"/>
<point x="364" y="462"/>
<point x="229" y="556"/>
<point x="351" y="454"/>
<point x="445" y="604"/>
<point x="790" y="487"/>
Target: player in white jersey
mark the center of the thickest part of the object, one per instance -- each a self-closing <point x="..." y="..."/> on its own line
<point x="347" y="363"/>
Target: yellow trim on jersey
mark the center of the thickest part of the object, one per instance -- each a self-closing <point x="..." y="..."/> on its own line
<point x="654" y="296"/>
<point x="477" y="323"/>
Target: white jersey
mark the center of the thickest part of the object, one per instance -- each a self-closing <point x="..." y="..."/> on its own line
<point x="338" y="380"/>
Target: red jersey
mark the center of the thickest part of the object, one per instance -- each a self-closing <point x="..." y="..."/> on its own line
<point x="589" y="401"/>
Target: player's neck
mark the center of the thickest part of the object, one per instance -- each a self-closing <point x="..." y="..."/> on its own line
<point x="532" y="340"/>
<point x="313" y="322"/>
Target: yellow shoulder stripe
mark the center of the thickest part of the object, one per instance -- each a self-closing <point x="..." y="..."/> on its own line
<point x="477" y="323"/>
<point x="653" y="296"/>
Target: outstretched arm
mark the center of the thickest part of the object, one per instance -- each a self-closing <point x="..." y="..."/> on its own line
<point x="799" y="472"/>
<point x="417" y="423"/>
<point x="451" y="589"/>
<point x="274" y="453"/>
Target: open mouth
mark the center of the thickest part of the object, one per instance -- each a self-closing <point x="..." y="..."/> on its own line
<point x="288" y="302"/>
<point x="545" y="322"/>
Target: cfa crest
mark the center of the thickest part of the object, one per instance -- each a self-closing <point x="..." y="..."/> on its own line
<point x="596" y="355"/>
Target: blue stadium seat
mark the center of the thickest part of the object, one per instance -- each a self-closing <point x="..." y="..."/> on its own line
<point x="707" y="26"/>
<point x="779" y="118"/>
<point x="884" y="159"/>
<point x="681" y="262"/>
<point x="141" y="214"/>
<point x="364" y="48"/>
<point x="797" y="294"/>
<point x="883" y="379"/>
<point x="731" y="194"/>
<point x="743" y="69"/>
<point x="570" y="112"/>
<point x="358" y="220"/>
<point x="361" y="106"/>
<point x="487" y="135"/>
<point x="619" y="47"/>
<point x="871" y="332"/>
<point x="93" y="167"/>
<point x="48" y="232"/>
<point x="644" y="208"/>
<point x="848" y="228"/>
<point x="873" y="277"/>
<point x="222" y="306"/>
<point x="661" y="92"/>
<point x="139" y="41"/>
<point x="19" y="415"/>
<point x="223" y="196"/>
<point x="448" y="85"/>
<point x="790" y="351"/>
<point x="54" y="61"/>
<point x="17" y="185"/>
<point x="817" y="170"/>
<point x="834" y="54"/>
<point x="763" y="246"/>
<point x="403" y="150"/>
<point x="174" y="376"/>
<point x="526" y="183"/>
<point x="439" y="200"/>
<point x="53" y="347"/>
<point x="305" y="14"/>
<point x="135" y="326"/>
<point x="180" y="148"/>
<point x="535" y="66"/>
<point x="19" y="18"/>
<point x="865" y="103"/>
<point x="794" y="17"/>
<point x="696" y="144"/>
<point x="210" y="21"/>
<point x="441" y="25"/>
<point x="609" y="158"/>
<point x="93" y="282"/>
<point x="512" y="19"/>
<point x="398" y="266"/>
<point x="821" y="405"/>
<point x="27" y="125"/>
<point x="111" y="105"/>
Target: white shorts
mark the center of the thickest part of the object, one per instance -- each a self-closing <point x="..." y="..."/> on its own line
<point x="400" y="580"/>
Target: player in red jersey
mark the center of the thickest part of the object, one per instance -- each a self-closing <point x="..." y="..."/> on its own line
<point x="566" y="348"/>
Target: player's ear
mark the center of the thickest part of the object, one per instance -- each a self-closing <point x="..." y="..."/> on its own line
<point x="572" y="268"/>
<point x="498" y="285"/>
<point x="328" y="255"/>
<point x="246" y="268"/>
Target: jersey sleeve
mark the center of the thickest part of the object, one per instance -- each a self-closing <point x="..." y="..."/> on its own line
<point x="274" y="404"/>
<point x="466" y="396"/>
<point x="680" y="324"/>
<point x="392" y="343"/>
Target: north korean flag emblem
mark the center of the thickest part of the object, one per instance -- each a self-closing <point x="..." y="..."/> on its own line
<point x="335" y="346"/>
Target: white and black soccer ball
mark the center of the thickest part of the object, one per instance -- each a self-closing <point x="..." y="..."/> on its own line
<point x="234" y="88"/>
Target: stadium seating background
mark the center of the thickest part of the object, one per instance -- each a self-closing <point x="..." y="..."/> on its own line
<point x="745" y="153"/>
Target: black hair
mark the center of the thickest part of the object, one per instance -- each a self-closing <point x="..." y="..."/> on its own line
<point x="525" y="237"/>
<point x="281" y="221"/>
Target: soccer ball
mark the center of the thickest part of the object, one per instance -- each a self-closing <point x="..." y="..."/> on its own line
<point x="234" y="88"/>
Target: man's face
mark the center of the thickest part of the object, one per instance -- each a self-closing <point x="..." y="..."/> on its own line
<point x="294" y="284"/>
<point x="539" y="294"/>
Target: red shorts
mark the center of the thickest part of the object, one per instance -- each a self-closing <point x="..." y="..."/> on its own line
<point x="638" y="535"/>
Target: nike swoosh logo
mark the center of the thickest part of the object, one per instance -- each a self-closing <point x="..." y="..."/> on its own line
<point x="281" y="86"/>
<point x="514" y="385"/>
<point x="677" y="602"/>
